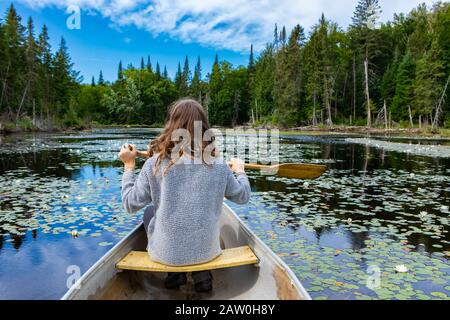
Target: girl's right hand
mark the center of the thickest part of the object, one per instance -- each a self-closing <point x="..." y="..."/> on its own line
<point x="128" y="154"/>
<point x="237" y="165"/>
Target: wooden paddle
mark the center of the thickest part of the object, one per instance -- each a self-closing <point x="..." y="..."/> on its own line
<point x="286" y="170"/>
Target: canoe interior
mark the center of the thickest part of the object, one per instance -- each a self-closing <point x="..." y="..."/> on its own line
<point x="270" y="279"/>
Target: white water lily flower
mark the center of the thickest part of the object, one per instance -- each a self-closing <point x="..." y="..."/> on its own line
<point x="74" y="233"/>
<point x="401" y="268"/>
<point x="306" y="185"/>
<point x="423" y="214"/>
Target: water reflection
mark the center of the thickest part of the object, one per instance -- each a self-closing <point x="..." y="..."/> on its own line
<point x="52" y="184"/>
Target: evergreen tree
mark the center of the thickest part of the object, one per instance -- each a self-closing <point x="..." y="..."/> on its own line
<point x="158" y="71"/>
<point x="14" y="83"/>
<point x="165" y="74"/>
<point x="31" y="54"/>
<point x="262" y="101"/>
<point x="93" y="81"/>
<point x="185" y="78"/>
<point x="142" y="64"/>
<point x="120" y="72"/>
<point x="101" y="81"/>
<point x="288" y="78"/>
<point x="429" y="83"/>
<point x="178" y="80"/>
<point x="196" y="84"/>
<point x="64" y="77"/>
<point x="251" y="62"/>
<point x="404" y="88"/>
<point x="44" y="72"/>
<point x="275" y="37"/>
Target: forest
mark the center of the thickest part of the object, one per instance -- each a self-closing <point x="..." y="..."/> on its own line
<point x="393" y="74"/>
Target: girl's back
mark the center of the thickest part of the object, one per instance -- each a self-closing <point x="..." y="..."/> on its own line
<point x="186" y="201"/>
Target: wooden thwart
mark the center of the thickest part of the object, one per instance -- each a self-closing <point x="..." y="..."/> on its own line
<point x="141" y="261"/>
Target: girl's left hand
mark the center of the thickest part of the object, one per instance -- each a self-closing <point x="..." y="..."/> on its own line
<point x="128" y="154"/>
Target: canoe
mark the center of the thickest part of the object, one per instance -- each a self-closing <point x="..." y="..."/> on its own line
<point x="270" y="279"/>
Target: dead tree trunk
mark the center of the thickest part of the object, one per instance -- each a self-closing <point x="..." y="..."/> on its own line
<point x="366" y="71"/>
<point x="439" y="107"/>
<point x="314" y="111"/>
<point x="354" y="87"/>
<point x="410" y="117"/>
<point x="22" y="101"/>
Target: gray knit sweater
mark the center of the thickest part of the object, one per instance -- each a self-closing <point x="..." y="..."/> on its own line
<point x="185" y="205"/>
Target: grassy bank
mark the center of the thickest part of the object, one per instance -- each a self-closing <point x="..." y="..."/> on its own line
<point x="425" y="132"/>
<point x="27" y="125"/>
<point x="357" y="130"/>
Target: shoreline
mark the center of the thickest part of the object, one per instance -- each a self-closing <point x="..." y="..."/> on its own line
<point x="441" y="133"/>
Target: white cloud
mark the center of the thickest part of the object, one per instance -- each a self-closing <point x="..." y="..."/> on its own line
<point x="223" y="24"/>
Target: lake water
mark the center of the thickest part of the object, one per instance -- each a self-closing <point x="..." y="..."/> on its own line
<point x="372" y="211"/>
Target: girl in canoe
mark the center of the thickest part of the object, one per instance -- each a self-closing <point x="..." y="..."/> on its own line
<point x="183" y="185"/>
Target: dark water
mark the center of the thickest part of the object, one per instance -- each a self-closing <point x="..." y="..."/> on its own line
<point x="372" y="209"/>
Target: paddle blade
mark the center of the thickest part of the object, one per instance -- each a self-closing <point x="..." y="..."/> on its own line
<point x="301" y="171"/>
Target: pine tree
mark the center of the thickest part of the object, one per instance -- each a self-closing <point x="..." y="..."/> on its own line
<point x="404" y="87"/>
<point x="215" y="85"/>
<point x="101" y="81"/>
<point x="262" y="89"/>
<point x="429" y="82"/>
<point x="288" y="79"/>
<point x="120" y="72"/>
<point x="251" y="62"/>
<point x="185" y="78"/>
<point x="45" y="72"/>
<point x="315" y="70"/>
<point x="142" y="64"/>
<point x="275" y="37"/>
<point x="158" y="71"/>
<point x="165" y="74"/>
<point x="14" y="82"/>
<point x="196" y="85"/>
<point x="178" y="80"/>
<point x="31" y="62"/>
<point x="63" y="77"/>
<point x="283" y="36"/>
<point x="93" y="81"/>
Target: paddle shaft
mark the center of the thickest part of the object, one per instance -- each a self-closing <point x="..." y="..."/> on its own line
<point x="249" y="166"/>
<point x="293" y="170"/>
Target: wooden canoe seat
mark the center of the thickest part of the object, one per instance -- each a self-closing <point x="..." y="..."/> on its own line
<point x="234" y="257"/>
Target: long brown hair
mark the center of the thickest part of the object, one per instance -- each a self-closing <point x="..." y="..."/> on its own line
<point x="182" y="115"/>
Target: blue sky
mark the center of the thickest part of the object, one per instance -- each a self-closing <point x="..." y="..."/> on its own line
<point x="168" y="30"/>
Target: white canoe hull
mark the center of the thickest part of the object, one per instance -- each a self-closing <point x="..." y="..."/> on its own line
<point x="272" y="279"/>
